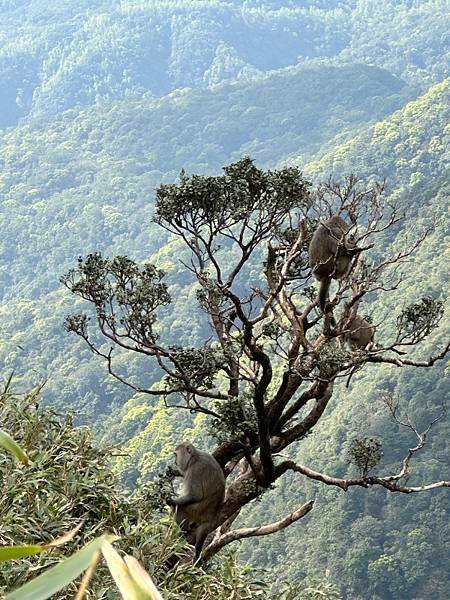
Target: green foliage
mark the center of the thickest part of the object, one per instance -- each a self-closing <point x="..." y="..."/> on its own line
<point x="365" y="454"/>
<point x="159" y="491"/>
<point x="419" y="319"/>
<point x="57" y="578"/>
<point x="243" y="193"/>
<point x="331" y="358"/>
<point x="407" y="148"/>
<point x="313" y="589"/>
<point x="7" y="443"/>
<point x="236" y="419"/>
<point x="83" y="52"/>
<point x="125" y="295"/>
<point x="200" y="366"/>
<point x="83" y="180"/>
<point x="68" y="482"/>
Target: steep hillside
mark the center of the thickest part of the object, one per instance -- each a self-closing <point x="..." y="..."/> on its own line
<point x="58" y="55"/>
<point x="374" y="545"/>
<point x="102" y="101"/>
<point x="408" y="148"/>
<point x="361" y="540"/>
<point x="85" y="182"/>
<point x="86" y="179"/>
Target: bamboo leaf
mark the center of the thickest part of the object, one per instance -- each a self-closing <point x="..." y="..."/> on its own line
<point x="88" y="576"/>
<point x="124" y="581"/>
<point x="16" y="552"/>
<point x="63" y="539"/>
<point x="8" y="384"/>
<point x="142" y="578"/>
<point x="59" y="576"/>
<point x="13" y="447"/>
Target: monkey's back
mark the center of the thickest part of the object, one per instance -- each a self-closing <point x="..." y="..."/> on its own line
<point x="206" y="479"/>
<point x="327" y="257"/>
<point x="360" y="333"/>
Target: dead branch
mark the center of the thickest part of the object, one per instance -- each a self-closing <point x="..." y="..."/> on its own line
<point x="345" y="484"/>
<point x="406" y="362"/>
<point x="239" y="534"/>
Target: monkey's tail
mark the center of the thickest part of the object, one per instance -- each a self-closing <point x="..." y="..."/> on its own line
<point x="323" y="293"/>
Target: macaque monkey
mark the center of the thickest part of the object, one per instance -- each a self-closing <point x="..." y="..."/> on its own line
<point x="204" y="491"/>
<point x="359" y="333"/>
<point x="330" y="254"/>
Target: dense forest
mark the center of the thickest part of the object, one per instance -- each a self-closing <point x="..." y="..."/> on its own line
<point x="101" y="103"/>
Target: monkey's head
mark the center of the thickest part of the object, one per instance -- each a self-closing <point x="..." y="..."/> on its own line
<point x="336" y="221"/>
<point x="184" y="453"/>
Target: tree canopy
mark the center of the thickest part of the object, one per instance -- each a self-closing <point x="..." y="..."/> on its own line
<point x="266" y="375"/>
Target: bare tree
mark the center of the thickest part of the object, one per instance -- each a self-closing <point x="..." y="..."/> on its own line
<point x="229" y="222"/>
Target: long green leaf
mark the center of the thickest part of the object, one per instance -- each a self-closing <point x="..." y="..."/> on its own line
<point x="15" y="552"/>
<point x="12" y="447"/>
<point x="124" y="581"/>
<point x="8" y="384"/>
<point x="56" y="578"/>
<point x="142" y="578"/>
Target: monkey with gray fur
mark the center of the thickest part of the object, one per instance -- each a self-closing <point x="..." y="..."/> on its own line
<point x="330" y="254"/>
<point x="360" y="333"/>
<point x="204" y="491"/>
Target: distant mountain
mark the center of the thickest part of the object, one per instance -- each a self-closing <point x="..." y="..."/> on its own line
<point x="85" y="179"/>
<point x="58" y="55"/>
<point x="409" y="147"/>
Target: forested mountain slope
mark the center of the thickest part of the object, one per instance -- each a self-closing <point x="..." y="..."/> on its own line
<point x="362" y="540"/>
<point x="417" y="181"/>
<point x="114" y="155"/>
<point x="372" y="543"/>
<point x="58" y="55"/>
<point x="103" y="101"/>
<point x="85" y="181"/>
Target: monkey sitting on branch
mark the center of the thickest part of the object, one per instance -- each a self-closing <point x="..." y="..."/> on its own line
<point x="330" y="254"/>
<point x="204" y="491"/>
<point x="359" y="334"/>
